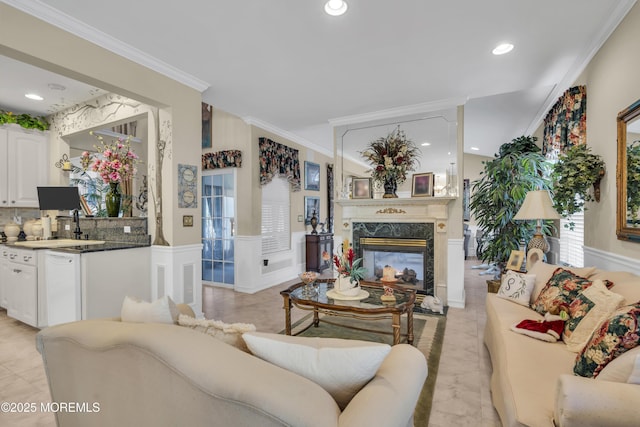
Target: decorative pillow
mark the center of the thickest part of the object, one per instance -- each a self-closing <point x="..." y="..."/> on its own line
<point x="517" y="287"/>
<point x="162" y="310"/>
<point x="620" y="369"/>
<point x="544" y="271"/>
<point x="230" y="333"/>
<point x="590" y="308"/>
<point x="341" y="367"/>
<point x="563" y="287"/>
<point x="619" y="333"/>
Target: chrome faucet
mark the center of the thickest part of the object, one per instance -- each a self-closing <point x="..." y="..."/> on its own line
<point x="76" y="219"/>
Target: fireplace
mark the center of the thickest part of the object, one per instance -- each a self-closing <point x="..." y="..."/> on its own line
<point x="407" y="247"/>
<point x="406" y="256"/>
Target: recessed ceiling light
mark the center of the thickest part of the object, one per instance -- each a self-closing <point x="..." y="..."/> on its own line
<point x="34" y="96"/>
<point x="475" y="149"/>
<point x="425" y="144"/>
<point x="503" y="48"/>
<point x="335" y="7"/>
<point x="56" y="86"/>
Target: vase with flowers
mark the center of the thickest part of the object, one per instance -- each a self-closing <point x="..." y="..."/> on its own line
<point x="391" y="158"/>
<point x="350" y="271"/>
<point x="115" y="163"/>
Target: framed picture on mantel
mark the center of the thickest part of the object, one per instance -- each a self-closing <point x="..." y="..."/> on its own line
<point x="422" y="185"/>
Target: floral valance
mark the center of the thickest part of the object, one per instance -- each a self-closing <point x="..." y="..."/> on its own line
<point x="279" y="160"/>
<point x="566" y="123"/>
<point x="222" y="159"/>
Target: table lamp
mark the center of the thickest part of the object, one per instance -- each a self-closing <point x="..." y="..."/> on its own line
<point x="537" y="205"/>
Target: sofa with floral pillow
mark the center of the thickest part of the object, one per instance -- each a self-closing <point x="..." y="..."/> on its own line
<point x="565" y="347"/>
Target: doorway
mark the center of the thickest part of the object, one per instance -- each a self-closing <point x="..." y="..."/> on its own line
<point x="218" y="227"/>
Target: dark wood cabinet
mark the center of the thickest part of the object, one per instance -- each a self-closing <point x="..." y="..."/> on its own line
<point x="317" y="244"/>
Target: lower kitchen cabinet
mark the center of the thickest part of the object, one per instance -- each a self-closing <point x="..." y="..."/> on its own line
<point x="19" y="284"/>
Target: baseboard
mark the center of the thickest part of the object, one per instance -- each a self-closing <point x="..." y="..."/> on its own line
<point x="609" y="261"/>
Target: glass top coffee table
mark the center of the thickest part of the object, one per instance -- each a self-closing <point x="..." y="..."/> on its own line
<point x="370" y="308"/>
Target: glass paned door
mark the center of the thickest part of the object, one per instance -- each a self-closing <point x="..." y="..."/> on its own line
<point x="218" y="226"/>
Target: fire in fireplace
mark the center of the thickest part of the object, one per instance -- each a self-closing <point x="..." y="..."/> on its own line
<point x="406" y="256"/>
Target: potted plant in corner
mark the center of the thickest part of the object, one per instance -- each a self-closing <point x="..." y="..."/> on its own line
<point x="498" y="194"/>
<point x="574" y="175"/>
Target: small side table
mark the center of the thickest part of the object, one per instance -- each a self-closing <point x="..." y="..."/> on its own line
<point x="493" y="285"/>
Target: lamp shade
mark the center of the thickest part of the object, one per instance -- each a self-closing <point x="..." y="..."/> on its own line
<point x="537" y="205"/>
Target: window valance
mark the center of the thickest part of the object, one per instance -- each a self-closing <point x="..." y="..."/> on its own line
<point x="566" y="123"/>
<point x="279" y="160"/>
<point x="222" y="159"/>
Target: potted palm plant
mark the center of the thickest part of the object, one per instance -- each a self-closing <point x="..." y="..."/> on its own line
<point x="498" y="194"/>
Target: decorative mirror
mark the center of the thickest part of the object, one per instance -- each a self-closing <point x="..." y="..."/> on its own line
<point x="628" y="176"/>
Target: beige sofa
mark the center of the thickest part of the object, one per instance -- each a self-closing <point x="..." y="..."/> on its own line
<point x="151" y="374"/>
<point x="533" y="384"/>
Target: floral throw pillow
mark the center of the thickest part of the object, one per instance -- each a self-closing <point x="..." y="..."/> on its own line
<point x="617" y="334"/>
<point x="517" y="287"/>
<point x="590" y="308"/>
<point x="561" y="290"/>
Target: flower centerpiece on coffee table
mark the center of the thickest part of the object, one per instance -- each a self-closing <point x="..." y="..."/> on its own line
<point x="350" y="272"/>
<point x="391" y="158"/>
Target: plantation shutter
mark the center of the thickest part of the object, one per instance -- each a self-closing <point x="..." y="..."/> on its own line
<point x="275" y="216"/>
<point x="572" y="241"/>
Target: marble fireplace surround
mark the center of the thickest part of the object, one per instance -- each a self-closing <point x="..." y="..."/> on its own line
<point x="426" y="217"/>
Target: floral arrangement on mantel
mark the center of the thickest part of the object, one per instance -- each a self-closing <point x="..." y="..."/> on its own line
<point x="117" y="163"/>
<point x="392" y="157"/>
<point x="347" y="265"/>
<point x="26" y="121"/>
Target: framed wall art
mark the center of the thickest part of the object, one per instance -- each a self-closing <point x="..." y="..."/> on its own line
<point x="311" y="176"/>
<point x="422" y="185"/>
<point x="207" y="128"/>
<point x="361" y="188"/>
<point x="311" y="207"/>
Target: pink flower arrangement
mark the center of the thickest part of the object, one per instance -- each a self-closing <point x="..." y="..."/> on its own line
<point x="117" y="163"/>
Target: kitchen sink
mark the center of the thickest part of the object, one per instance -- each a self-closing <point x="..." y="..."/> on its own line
<point x="57" y="243"/>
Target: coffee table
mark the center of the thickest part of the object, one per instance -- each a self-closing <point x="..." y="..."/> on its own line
<point x="370" y="308"/>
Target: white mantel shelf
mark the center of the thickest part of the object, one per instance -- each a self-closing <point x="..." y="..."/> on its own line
<point x="399" y="201"/>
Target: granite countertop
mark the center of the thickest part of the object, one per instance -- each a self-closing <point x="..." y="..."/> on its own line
<point x="80" y="248"/>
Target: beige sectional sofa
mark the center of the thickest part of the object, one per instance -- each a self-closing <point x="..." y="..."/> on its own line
<point x="533" y="383"/>
<point x="152" y="374"/>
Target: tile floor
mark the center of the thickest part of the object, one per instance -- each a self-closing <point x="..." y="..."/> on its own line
<point x="462" y="389"/>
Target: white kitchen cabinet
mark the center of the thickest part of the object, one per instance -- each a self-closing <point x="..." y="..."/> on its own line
<point x="24" y="165"/>
<point x="4" y="276"/>
<point x="21" y="287"/>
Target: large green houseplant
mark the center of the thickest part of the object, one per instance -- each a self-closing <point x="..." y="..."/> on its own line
<point x="498" y="194"/>
<point x="574" y="175"/>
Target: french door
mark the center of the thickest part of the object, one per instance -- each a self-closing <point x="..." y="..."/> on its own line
<point x="218" y="226"/>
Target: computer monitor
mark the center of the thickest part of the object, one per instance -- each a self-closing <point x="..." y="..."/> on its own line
<point x="58" y="198"/>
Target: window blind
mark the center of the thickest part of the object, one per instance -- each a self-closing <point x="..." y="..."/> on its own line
<point x="276" y="235"/>
<point x="572" y="241"/>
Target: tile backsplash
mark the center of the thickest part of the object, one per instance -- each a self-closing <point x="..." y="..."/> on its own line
<point x="7" y="214"/>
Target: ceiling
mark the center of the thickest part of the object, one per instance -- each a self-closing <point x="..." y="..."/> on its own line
<point x="288" y="66"/>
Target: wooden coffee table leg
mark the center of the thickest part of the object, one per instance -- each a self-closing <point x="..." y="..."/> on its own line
<point x="410" y="325"/>
<point x="396" y="328"/>
<point x="287" y="315"/>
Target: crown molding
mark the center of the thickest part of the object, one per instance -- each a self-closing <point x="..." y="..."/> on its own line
<point x="582" y="61"/>
<point x="287" y="135"/>
<point x="50" y="15"/>
<point x="406" y="110"/>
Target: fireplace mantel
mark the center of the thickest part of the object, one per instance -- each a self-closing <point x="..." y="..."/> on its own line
<point x="399" y="201"/>
<point x="415" y="210"/>
<point x="397" y="209"/>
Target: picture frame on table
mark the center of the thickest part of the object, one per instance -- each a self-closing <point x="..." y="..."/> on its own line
<point x="516" y="258"/>
<point x="361" y="188"/>
<point x="311" y="207"/>
<point x="422" y="185"/>
<point x="311" y="176"/>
